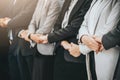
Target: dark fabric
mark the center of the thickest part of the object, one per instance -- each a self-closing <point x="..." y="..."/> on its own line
<point x="117" y="71"/>
<point x="64" y="70"/>
<point x="25" y="47"/>
<point x="4" y="75"/>
<point x="13" y="65"/>
<point x="43" y="67"/>
<point x="69" y="70"/>
<point x="75" y="20"/>
<point x="20" y="66"/>
<point x="21" y="14"/>
<point x="92" y="66"/>
<point x="112" y="38"/>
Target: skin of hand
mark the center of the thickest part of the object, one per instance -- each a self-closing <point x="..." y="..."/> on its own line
<point x="4" y="22"/>
<point x="24" y="35"/>
<point x="91" y="43"/>
<point x="43" y="39"/>
<point x="35" y="38"/>
<point x="99" y="40"/>
<point x="66" y="45"/>
<point x="74" y="50"/>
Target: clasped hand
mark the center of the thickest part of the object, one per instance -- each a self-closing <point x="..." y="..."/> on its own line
<point x="4" y="22"/>
<point x="37" y="38"/>
<point x="93" y="42"/>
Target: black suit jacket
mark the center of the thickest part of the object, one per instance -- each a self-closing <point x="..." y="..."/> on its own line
<point x="70" y="32"/>
<point x="20" y="14"/>
<point x="109" y="40"/>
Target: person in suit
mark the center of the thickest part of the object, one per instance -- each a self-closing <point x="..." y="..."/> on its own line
<point x="98" y="23"/>
<point x="20" y="14"/>
<point x="42" y="22"/>
<point x="108" y="41"/>
<point x="66" y="28"/>
<point x="4" y="44"/>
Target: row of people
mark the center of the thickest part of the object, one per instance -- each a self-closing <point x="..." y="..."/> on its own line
<point x="63" y="43"/>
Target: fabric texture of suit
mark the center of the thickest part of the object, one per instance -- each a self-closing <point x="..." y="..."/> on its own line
<point x="68" y="33"/>
<point x="112" y="39"/>
<point x="20" y="62"/>
<point x="43" y="22"/>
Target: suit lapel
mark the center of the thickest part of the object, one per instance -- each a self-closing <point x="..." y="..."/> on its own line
<point x="76" y="8"/>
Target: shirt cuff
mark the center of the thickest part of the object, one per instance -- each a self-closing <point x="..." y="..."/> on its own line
<point x="84" y="49"/>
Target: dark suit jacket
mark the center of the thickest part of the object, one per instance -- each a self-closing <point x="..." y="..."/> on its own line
<point x="70" y="32"/>
<point x="109" y="40"/>
<point x="3" y="31"/>
<point x="20" y="14"/>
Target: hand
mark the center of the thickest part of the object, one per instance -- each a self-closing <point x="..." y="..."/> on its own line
<point x="4" y="22"/>
<point x="91" y="43"/>
<point x="66" y="45"/>
<point x="35" y="38"/>
<point x="99" y="40"/>
<point x="24" y="35"/>
<point x="43" y="39"/>
<point x="74" y="50"/>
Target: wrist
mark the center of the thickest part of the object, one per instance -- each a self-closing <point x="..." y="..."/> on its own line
<point x="83" y="38"/>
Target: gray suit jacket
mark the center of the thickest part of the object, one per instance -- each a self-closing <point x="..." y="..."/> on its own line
<point x="43" y="22"/>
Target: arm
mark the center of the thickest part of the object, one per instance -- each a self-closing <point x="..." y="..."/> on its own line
<point x="71" y="29"/>
<point x="112" y="38"/>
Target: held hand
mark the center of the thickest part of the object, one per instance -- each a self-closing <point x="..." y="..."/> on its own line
<point x="24" y="35"/>
<point x="4" y="22"/>
<point x="35" y="37"/>
<point x="91" y="43"/>
<point x="43" y="39"/>
<point x="74" y="50"/>
<point x="99" y="40"/>
<point x="66" y="45"/>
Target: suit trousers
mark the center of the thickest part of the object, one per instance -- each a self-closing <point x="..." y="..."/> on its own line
<point x="20" y="67"/>
<point x="4" y="63"/>
<point x="64" y="70"/>
<point x="42" y="67"/>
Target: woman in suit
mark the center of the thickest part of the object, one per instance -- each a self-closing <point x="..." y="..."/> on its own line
<point x="66" y="28"/>
<point x="42" y="22"/>
<point x="98" y="21"/>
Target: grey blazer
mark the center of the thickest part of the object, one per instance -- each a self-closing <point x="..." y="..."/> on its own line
<point x="43" y="21"/>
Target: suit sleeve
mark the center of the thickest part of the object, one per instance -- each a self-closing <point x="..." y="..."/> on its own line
<point x="24" y="17"/>
<point x="112" y="38"/>
<point x="70" y="30"/>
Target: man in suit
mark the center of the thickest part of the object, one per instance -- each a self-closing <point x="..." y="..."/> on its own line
<point x="20" y="14"/>
<point x="4" y="44"/>
<point x="66" y="28"/>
